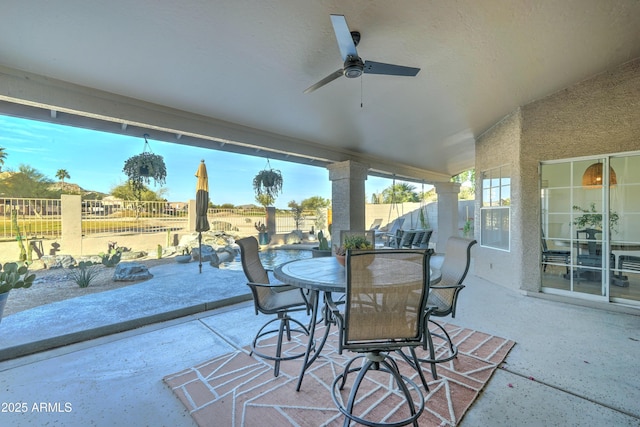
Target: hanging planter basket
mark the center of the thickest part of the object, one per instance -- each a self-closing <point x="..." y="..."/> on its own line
<point x="268" y="182"/>
<point x="143" y="168"/>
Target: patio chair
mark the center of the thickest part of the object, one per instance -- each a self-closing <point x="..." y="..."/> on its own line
<point x="554" y="256"/>
<point x="278" y="299"/>
<point x="406" y="238"/>
<point x="376" y="224"/>
<point x="443" y="298"/>
<point x="385" y="296"/>
<point x="391" y="235"/>
<point x="424" y="241"/>
<point x="590" y="262"/>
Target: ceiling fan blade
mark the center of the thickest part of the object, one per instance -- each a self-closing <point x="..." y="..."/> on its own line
<point x="331" y="77"/>
<point x="345" y="40"/>
<point x="372" y="67"/>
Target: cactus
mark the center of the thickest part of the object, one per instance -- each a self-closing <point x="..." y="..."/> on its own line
<point x="159" y="251"/>
<point x="111" y="261"/>
<point x="323" y="245"/>
<point x="13" y="277"/>
<point x="14" y="222"/>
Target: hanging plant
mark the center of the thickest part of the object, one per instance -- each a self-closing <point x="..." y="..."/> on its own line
<point x="142" y="168"/>
<point x="268" y="182"/>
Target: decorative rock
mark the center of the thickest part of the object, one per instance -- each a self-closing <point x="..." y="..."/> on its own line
<point x="226" y="254"/>
<point x="292" y="238"/>
<point x="58" y="261"/>
<point x="205" y="253"/>
<point x="132" y="255"/>
<point x="131" y="271"/>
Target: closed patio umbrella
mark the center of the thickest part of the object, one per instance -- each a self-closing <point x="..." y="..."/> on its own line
<point x="202" y="204"/>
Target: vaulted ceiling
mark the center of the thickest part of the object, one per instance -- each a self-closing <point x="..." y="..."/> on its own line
<point x="245" y="64"/>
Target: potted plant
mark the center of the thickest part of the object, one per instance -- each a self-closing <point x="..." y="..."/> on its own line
<point x="185" y="257"/>
<point x="263" y="235"/>
<point x="142" y="168"/>
<point x="592" y="219"/>
<point x="268" y="182"/>
<point x="13" y="276"/>
<point x="323" y="249"/>
<point x="351" y="242"/>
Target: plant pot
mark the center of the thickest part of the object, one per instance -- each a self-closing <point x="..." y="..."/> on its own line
<point x="3" y="302"/>
<point x="144" y="171"/>
<point x="319" y="253"/>
<point x="182" y="259"/>
<point x="341" y="259"/>
<point x="263" y="238"/>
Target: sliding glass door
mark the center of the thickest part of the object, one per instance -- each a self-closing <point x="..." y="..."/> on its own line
<point x="590" y="223"/>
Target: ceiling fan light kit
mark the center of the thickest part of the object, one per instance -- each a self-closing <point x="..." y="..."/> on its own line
<point x="353" y="66"/>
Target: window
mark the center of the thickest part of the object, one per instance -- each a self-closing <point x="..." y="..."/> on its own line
<point x="495" y="208"/>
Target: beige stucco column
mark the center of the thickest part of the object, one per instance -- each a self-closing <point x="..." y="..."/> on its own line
<point x="71" y="235"/>
<point x="347" y="197"/>
<point x="447" y="212"/>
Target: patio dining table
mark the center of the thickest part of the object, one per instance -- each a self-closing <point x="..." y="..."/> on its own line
<point x="320" y="275"/>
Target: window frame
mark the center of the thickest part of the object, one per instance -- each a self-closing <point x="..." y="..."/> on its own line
<point x="495" y="206"/>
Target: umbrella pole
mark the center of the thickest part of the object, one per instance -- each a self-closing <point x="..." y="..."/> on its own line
<point x="200" y="251"/>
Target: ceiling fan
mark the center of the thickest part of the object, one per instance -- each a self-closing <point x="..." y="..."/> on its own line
<point x="354" y="66"/>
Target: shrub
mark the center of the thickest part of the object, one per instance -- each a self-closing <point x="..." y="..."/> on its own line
<point x="84" y="273"/>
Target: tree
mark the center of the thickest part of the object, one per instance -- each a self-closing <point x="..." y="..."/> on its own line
<point x="296" y="212"/>
<point x="265" y="200"/>
<point x="27" y="183"/>
<point x="400" y="193"/>
<point x="315" y="203"/>
<point x="62" y="174"/>
<point x="3" y="155"/>
<point x="128" y="191"/>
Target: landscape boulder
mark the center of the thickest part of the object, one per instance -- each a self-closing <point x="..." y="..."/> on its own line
<point x="131" y="271"/>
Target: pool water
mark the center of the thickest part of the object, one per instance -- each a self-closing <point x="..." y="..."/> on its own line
<point x="271" y="258"/>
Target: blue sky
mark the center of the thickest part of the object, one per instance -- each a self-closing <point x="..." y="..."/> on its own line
<point x="94" y="161"/>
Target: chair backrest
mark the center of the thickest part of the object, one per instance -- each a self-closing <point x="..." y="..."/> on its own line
<point x="255" y="272"/>
<point x="407" y="238"/>
<point x="251" y="264"/>
<point x="367" y="234"/>
<point x="385" y="298"/>
<point x="397" y="225"/>
<point x="592" y="238"/>
<point x="453" y="272"/>
<point x="426" y="237"/>
<point x="376" y="224"/>
<point x="543" y="241"/>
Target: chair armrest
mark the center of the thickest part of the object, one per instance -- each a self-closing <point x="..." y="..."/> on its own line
<point x="446" y="287"/>
<point x="270" y="285"/>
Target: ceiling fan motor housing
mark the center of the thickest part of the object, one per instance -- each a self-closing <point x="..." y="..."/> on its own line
<point x="353" y="67"/>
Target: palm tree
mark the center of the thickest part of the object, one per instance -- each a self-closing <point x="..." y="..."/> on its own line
<point x="3" y="155"/>
<point x="400" y="193"/>
<point x="62" y="174"/>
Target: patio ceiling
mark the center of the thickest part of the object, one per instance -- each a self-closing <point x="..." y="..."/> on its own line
<point x="241" y="68"/>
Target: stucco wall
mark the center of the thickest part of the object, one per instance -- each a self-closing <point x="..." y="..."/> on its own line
<point x="598" y="116"/>
<point x="500" y="146"/>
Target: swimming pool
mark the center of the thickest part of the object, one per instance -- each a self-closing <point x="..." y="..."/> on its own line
<point x="270" y="258"/>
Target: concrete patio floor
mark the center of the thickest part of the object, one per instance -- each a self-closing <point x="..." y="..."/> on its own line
<point x="571" y="365"/>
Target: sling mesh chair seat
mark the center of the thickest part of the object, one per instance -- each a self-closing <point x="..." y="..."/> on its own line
<point x="278" y="299"/>
<point x="385" y="310"/>
<point x="443" y="299"/>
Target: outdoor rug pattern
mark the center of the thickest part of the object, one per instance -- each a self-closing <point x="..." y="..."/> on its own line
<point x="236" y="389"/>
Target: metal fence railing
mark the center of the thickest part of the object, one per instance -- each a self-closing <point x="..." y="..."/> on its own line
<point x="42" y="218"/>
<point x="238" y="220"/>
<point x="125" y="216"/>
<point x="30" y="218"/>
